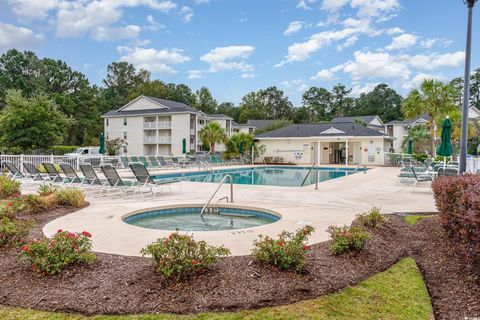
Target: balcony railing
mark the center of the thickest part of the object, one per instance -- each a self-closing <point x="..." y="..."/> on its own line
<point x="164" y="124"/>
<point x="164" y="139"/>
<point x="150" y="139"/>
<point x="149" y="125"/>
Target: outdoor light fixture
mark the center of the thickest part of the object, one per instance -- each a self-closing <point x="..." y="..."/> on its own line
<point x="466" y="89"/>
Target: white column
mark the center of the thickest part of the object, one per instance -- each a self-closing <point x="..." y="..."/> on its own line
<point x="318" y="153"/>
<point x="346" y="153"/>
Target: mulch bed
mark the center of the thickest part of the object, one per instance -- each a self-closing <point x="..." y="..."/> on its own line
<point x="128" y="285"/>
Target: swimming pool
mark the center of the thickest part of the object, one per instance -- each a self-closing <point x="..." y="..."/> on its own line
<point x="267" y="176"/>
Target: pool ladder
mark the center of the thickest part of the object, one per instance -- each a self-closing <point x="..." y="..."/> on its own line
<point x="308" y="173"/>
<point x="215" y="192"/>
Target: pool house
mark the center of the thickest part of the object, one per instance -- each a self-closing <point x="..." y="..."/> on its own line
<point x="344" y="143"/>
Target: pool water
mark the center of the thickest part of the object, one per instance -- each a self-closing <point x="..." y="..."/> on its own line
<point x="268" y="176"/>
<point x="189" y="219"/>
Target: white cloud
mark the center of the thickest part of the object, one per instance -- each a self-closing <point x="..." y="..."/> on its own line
<point x="359" y="89"/>
<point x="436" y="60"/>
<point x="333" y="5"/>
<point x="33" y="9"/>
<point x="418" y="79"/>
<point x="154" y="25"/>
<point x="376" y="65"/>
<point x="98" y="19"/>
<point x="298" y="84"/>
<point x="229" y="58"/>
<point x="186" y="13"/>
<point x="247" y="75"/>
<point x="304" y="4"/>
<point x="348" y="43"/>
<point x="394" y="30"/>
<point x="293" y="27"/>
<point x="201" y="1"/>
<point x="17" y="37"/>
<point x="195" y="74"/>
<point x="152" y="59"/>
<point x="403" y="41"/>
<point x="324" y="74"/>
<point x="375" y="8"/>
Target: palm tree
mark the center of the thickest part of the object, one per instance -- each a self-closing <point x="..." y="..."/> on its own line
<point x="420" y="137"/>
<point x="433" y="98"/>
<point x="212" y="133"/>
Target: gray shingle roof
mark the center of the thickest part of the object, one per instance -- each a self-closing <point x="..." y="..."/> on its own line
<point x="172" y="107"/>
<point x="246" y="125"/>
<point x="315" y="130"/>
<point x="366" y="119"/>
<point x="259" y="124"/>
<point x="407" y="121"/>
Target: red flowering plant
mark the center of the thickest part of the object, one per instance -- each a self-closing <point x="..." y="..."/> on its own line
<point x="285" y="252"/>
<point x="8" y="187"/>
<point x="51" y="256"/>
<point x="347" y="239"/>
<point x="12" y="231"/>
<point x="11" y="206"/>
<point x="179" y="256"/>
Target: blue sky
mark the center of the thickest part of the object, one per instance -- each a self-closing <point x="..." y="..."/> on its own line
<point x="237" y="46"/>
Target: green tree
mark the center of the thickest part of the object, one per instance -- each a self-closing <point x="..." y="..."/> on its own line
<point x="275" y="104"/>
<point x="181" y="93"/>
<point x="382" y="101"/>
<point x="474" y="88"/>
<point x="341" y="103"/>
<point x="31" y="124"/>
<point x="317" y="102"/>
<point x="233" y="144"/>
<point x="251" y="107"/>
<point x="153" y="88"/>
<point x="205" y="101"/>
<point x="121" y="78"/>
<point x="433" y="98"/>
<point x="211" y="134"/>
<point x="420" y="137"/>
<point x="229" y="109"/>
<point x="277" y="124"/>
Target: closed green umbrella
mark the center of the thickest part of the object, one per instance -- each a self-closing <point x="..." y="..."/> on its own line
<point x="410" y="146"/>
<point x="184" y="146"/>
<point x="445" y="148"/>
<point x="102" y="143"/>
<point x="240" y="148"/>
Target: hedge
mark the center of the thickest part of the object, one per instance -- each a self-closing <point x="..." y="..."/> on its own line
<point x="458" y="201"/>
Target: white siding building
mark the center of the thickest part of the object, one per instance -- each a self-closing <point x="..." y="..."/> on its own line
<point x="153" y="126"/>
<point x="325" y="143"/>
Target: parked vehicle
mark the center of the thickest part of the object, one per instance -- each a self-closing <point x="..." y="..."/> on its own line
<point x="85" y="152"/>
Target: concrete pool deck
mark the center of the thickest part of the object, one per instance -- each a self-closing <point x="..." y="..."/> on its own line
<point x="337" y="201"/>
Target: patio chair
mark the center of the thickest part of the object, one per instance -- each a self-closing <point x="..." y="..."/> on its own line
<point x="145" y="179"/>
<point x="153" y="161"/>
<point x="33" y="172"/>
<point x="448" y="171"/>
<point x="162" y="161"/>
<point x="117" y="184"/>
<point x="91" y="176"/>
<point x="169" y="162"/>
<point x="52" y="172"/>
<point x="125" y="162"/>
<point x="144" y="161"/>
<point x="70" y="174"/>
<point x="15" y="173"/>
<point x="133" y="159"/>
<point x="421" y="177"/>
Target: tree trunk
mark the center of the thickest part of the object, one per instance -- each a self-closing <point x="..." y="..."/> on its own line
<point x="432" y="135"/>
<point x="212" y="148"/>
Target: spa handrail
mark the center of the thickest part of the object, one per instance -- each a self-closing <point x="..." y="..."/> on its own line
<point x="308" y="173"/>
<point x="218" y="188"/>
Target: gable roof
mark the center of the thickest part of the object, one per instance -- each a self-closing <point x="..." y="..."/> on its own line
<point x="241" y="125"/>
<point x="340" y="129"/>
<point x="407" y="122"/>
<point x="366" y="119"/>
<point x="259" y="124"/>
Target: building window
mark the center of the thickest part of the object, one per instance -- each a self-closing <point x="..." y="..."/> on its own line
<point x="125" y="151"/>
<point x="108" y="136"/>
<point x="125" y="135"/>
<point x="124" y="121"/>
<point x="108" y="122"/>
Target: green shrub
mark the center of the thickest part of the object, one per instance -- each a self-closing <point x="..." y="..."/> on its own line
<point x="420" y="157"/>
<point x="13" y="232"/>
<point x="285" y="252"/>
<point x="372" y="219"/>
<point x="8" y="187"/>
<point x="11" y="206"/>
<point x="46" y="189"/>
<point x="51" y="256"/>
<point x="179" y="256"/>
<point x="36" y="204"/>
<point x="347" y="239"/>
<point x="70" y="197"/>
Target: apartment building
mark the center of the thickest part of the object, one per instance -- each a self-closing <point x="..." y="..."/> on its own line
<point x="153" y="126"/>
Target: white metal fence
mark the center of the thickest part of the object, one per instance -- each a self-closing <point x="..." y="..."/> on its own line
<point x="400" y="159"/>
<point x="37" y="160"/>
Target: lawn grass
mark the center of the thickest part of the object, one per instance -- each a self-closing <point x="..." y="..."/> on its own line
<point x="413" y="219"/>
<point x="398" y="293"/>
